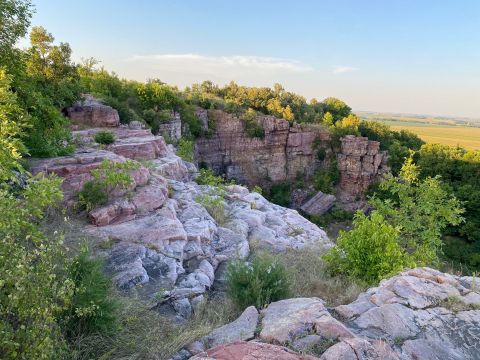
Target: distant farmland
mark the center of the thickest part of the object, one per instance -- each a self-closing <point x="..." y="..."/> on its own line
<point x="466" y="137"/>
<point x="447" y="131"/>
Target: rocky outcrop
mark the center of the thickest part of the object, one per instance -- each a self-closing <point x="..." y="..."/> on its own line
<point x="171" y="129"/>
<point x="91" y="112"/>
<point x="75" y="169"/>
<point x="360" y="163"/>
<point x="419" y="314"/>
<point x="285" y="152"/>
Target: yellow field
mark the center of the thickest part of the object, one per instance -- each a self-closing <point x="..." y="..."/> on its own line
<point x="466" y="137"/>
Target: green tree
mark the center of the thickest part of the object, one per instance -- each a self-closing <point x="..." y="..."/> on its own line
<point x="420" y="209"/>
<point x="337" y="108"/>
<point x="15" y="18"/>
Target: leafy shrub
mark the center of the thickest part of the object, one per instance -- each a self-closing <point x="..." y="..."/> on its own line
<point x="334" y="214"/>
<point x="104" y="137"/>
<point x="108" y="177"/>
<point x="370" y="251"/>
<point x="258" y="283"/>
<point x="257" y="189"/>
<point x="92" y="194"/>
<point x="324" y="180"/>
<point x="207" y="177"/>
<point x="33" y="290"/>
<point x="92" y="309"/>
<point x="185" y="149"/>
<point x="253" y="129"/>
<point x="280" y="194"/>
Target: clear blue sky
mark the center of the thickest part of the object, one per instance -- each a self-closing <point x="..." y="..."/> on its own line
<point x="413" y="56"/>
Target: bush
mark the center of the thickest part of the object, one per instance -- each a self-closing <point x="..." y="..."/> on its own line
<point x="92" y="309"/>
<point x="370" y="251"/>
<point x="185" y="149"/>
<point x="108" y="177"/>
<point x="258" y="283"/>
<point x="207" y="177"/>
<point x="92" y="194"/>
<point x="105" y="137"/>
<point x="280" y="194"/>
<point x="325" y="180"/>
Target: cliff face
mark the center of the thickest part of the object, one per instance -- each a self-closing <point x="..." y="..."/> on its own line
<point x="280" y="156"/>
<point x="360" y="163"/>
<point x="287" y="152"/>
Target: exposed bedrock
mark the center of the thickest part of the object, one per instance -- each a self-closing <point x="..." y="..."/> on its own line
<point x="406" y="317"/>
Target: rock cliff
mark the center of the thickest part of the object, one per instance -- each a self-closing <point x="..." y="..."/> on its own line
<point x="288" y="152"/>
<point x="284" y="153"/>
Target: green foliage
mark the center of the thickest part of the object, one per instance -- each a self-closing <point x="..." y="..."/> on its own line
<point x="213" y="202"/>
<point x="258" y="283"/>
<point x="325" y="180"/>
<point x="207" y="177"/>
<point x="105" y="137"/>
<point x="420" y="209"/>
<point x="334" y="214"/>
<point x="14" y="19"/>
<point x="336" y="108"/>
<point x="12" y="123"/>
<point x="92" y="309"/>
<point x="460" y="171"/>
<point x="257" y="189"/>
<point x="33" y="292"/>
<point x="398" y="143"/>
<point x="370" y="251"/>
<point x="280" y="194"/>
<point x="253" y="129"/>
<point x="186" y="149"/>
<point x="107" y="178"/>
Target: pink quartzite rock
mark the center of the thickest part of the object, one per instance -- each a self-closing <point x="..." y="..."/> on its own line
<point x="91" y="112"/>
<point x="241" y="350"/>
<point x="76" y="168"/>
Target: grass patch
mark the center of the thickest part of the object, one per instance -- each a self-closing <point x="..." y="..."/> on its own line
<point x="145" y="334"/>
<point x="310" y="278"/>
<point x="455" y="304"/>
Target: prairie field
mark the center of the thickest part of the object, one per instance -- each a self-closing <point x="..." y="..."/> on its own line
<point x="466" y="137"/>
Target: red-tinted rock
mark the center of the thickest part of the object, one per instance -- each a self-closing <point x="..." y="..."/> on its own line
<point x="284" y="152"/>
<point x="91" y="112"/>
<point x="241" y="350"/>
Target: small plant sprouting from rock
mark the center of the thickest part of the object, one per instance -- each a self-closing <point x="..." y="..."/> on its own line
<point x="456" y="304"/>
<point x="108" y="177"/>
<point x="258" y="283"/>
<point x="105" y="137"/>
<point x="214" y="204"/>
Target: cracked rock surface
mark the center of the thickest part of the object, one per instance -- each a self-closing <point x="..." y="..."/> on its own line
<point x="419" y="314"/>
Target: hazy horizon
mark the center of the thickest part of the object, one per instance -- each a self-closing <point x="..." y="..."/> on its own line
<point x="412" y="58"/>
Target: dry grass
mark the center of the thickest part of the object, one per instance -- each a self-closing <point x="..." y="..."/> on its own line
<point x="310" y="278"/>
<point x="466" y="137"/>
<point x="145" y="334"/>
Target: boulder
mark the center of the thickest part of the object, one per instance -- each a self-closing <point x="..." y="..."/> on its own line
<point x="91" y="112"/>
<point x="319" y="204"/>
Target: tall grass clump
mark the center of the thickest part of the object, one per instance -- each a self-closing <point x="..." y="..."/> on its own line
<point x="258" y="283"/>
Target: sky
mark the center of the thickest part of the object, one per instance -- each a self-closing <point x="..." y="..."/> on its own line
<point x="405" y="56"/>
